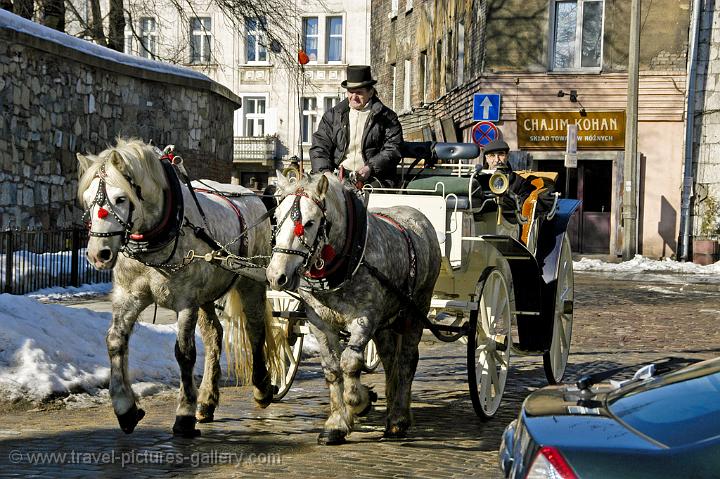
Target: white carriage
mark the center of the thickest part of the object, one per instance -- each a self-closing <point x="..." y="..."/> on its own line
<point x="506" y="281"/>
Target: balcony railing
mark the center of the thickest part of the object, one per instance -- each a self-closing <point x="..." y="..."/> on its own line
<point x="251" y="149"/>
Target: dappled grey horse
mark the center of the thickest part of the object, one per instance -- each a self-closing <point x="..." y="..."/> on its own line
<point x="143" y="222"/>
<point x="362" y="276"/>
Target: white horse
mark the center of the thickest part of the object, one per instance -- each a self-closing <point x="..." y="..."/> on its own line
<point x="143" y="222"/>
<point x="369" y="275"/>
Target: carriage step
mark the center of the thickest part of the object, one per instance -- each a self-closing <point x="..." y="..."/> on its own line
<point x="454" y="304"/>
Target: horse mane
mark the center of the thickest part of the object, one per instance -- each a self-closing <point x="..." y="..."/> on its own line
<point x="129" y="158"/>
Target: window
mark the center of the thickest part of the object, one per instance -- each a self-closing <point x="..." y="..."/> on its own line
<point x="309" y="118"/>
<point x="255" y="29"/>
<point x="334" y="41"/>
<point x="394" y="8"/>
<point x="254" y="116"/>
<point x="394" y="86"/>
<point x="148" y="47"/>
<point x="577" y="35"/>
<point x="422" y="81"/>
<point x="408" y="5"/>
<point x="200" y="40"/>
<point x="329" y="102"/>
<point x="406" y="88"/>
<point x="310" y="37"/>
<point x="129" y="38"/>
<point x="461" y="54"/>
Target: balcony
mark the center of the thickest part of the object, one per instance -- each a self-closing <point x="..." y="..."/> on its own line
<point x="255" y="149"/>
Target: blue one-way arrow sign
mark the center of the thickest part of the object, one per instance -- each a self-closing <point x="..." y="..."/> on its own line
<point x="486" y="107"/>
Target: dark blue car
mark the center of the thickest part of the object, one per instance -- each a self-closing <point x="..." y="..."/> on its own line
<point x="664" y="423"/>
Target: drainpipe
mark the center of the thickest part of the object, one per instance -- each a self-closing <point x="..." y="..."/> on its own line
<point x="687" y="186"/>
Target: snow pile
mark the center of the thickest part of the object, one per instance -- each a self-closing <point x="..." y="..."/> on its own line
<point x="48" y="350"/>
<point x="641" y="264"/>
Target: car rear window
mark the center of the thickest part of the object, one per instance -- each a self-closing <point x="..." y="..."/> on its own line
<point x="676" y="414"/>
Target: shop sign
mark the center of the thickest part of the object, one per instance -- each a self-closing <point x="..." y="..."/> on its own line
<point x="547" y="130"/>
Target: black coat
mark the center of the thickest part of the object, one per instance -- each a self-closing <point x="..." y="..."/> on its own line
<point x="380" y="141"/>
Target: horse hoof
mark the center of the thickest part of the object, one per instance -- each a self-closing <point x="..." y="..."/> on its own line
<point x="267" y="399"/>
<point x="185" y="427"/>
<point x="395" y="432"/>
<point x="333" y="437"/>
<point x="372" y="397"/>
<point x="205" y="413"/>
<point x="130" y="419"/>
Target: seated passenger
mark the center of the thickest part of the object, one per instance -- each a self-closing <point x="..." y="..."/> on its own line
<point x="520" y="188"/>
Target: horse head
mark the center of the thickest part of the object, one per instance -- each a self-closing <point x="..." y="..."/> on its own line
<point x="307" y="208"/>
<point x="121" y="190"/>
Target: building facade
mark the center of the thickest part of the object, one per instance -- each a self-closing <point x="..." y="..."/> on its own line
<point x="281" y="105"/>
<point x="552" y="63"/>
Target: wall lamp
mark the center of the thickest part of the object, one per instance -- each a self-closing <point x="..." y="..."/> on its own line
<point x="574" y="99"/>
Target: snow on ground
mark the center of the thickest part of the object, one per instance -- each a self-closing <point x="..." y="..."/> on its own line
<point x="639" y="264"/>
<point x="50" y="350"/>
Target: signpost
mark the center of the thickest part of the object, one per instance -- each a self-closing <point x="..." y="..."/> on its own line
<point x="486" y="107"/>
<point x="484" y="132"/>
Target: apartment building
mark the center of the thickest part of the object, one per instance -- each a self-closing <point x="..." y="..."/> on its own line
<point x="282" y="105"/>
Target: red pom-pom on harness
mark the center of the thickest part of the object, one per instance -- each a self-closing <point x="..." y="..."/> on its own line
<point x="299" y="229"/>
<point x="102" y="213"/>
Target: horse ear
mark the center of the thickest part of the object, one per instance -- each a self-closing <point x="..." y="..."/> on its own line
<point x="85" y="163"/>
<point x="117" y="161"/>
<point x="322" y="186"/>
<point x="282" y="180"/>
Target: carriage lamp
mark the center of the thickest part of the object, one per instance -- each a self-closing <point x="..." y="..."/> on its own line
<point x="499" y="183"/>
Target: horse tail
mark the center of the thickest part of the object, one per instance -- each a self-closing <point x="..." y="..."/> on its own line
<point x="237" y="342"/>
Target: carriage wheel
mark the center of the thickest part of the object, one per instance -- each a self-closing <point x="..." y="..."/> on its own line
<point x="555" y="359"/>
<point x="488" y="352"/>
<point x="291" y="344"/>
<point x="371" y="356"/>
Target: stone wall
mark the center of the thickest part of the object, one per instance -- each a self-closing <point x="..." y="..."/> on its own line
<point x="60" y="95"/>
<point x="706" y="200"/>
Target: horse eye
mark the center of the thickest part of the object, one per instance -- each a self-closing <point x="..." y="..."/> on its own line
<point x="309" y="224"/>
<point x="120" y="200"/>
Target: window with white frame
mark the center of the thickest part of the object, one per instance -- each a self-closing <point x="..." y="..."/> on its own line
<point x="148" y="47"/>
<point x="255" y="29"/>
<point x="406" y="89"/>
<point x="329" y="102"/>
<point x="310" y="36"/>
<point x="577" y="35"/>
<point x="129" y="38"/>
<point x="254" y="116"/>
<point x="408" y="5"/>
<point x="334" y="38"/>
<point x="394" y="6"/>
<point x="200" y="39"/>
<point x="309" y="118"/>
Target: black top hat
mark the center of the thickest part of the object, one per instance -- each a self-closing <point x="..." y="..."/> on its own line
<point x="496" y="145"/>
<point x="358" y="76"/>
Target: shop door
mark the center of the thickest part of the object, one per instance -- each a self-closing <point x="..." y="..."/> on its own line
<point x="591" y="182"/>
<point x="594" y="187"/>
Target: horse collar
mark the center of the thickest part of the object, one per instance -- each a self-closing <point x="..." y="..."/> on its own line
<point x="336" y="268"/>
<point x="168" y="229"/>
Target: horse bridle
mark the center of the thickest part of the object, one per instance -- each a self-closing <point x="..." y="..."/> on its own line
<point x="101" y="199"/>
<point x="299" y="229"/>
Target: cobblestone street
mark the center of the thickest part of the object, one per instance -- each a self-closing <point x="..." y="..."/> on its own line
<point x="616" y="323"/>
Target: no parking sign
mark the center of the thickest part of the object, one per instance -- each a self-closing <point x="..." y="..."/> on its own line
<point x="484" y="132"/>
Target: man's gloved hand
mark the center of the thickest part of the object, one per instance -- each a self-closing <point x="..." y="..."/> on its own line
<point x="363" y="173"/>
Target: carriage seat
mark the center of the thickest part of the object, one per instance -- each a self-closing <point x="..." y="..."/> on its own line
<point x="433" y="152"/>
<point x="453" y="185"/>
<point x="542" y="182"/>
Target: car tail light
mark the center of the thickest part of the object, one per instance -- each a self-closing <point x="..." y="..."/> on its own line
<point x="550" y="464"/>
